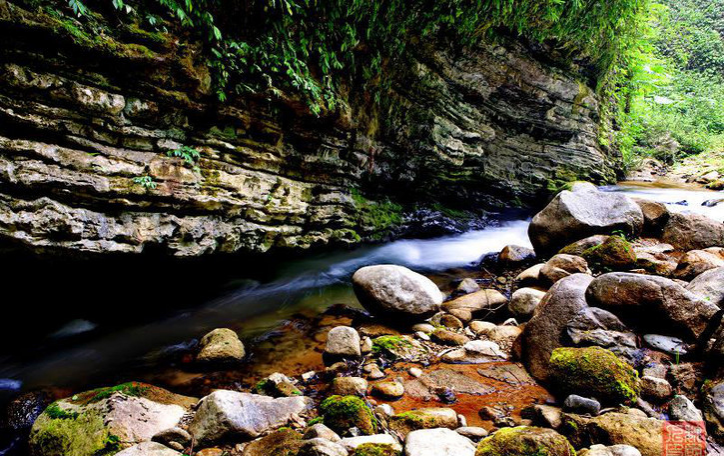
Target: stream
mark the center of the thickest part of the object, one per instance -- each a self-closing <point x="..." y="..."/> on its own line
<point x="79" y="351"/>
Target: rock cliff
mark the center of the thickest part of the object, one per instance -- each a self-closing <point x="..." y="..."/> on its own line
<point x="86" y="124"/>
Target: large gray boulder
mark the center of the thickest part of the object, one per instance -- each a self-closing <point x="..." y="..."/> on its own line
<point x="391" y="290"/>
<point x="693" y="231"/>
<point x="546" y="331"/>
<point x="576" y="215"/>
<point x="438" y="442"/>
<point x="227" y="414"/>
<point x="709" y="286"/>
<point x="660" y="299"/>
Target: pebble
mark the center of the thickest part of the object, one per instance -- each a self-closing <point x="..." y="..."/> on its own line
<point x="415" y="372"/>
<point x="581" y="405"/>
<point x="422" y="336"/>
<point x="373" y="371"/>
<point x="388" y="390"/>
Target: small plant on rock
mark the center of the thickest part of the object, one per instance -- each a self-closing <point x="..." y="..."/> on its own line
<point x="189" y="155"/>
<point x="146" y="182"/>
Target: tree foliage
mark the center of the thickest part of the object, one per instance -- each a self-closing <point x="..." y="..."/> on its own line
<point x="681" y="65"/>
<point x="311" y="48"/>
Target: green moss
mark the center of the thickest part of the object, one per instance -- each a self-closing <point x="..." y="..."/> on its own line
<point x="344" y="412"/>
<point x="594" y="372"/>
<point x="375" y="449"/>
<point x="525" y="441"/>
<point x="129" y="389"/>
<point x="390" y="345"/>
<point x="376" y="216"/>
<point x="55" y="412"/>
<point x="83" y="435"/>
<point x="616" y="254"/>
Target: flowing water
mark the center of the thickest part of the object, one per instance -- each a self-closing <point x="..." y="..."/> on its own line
<point x="79" y="352"/>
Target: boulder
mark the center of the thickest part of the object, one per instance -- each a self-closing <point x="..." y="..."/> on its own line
<point x="561" y="266"/>
<point x="546" y="331"/>
<point x="577" y="248"/>
<point x="596" y="327"/>
<point x="388" y="390"/>
<point x="438" y="442"/>
<point x="468" y="285"/>
<point x="571" y="216"/>
<point x="581" y="405"/>
<point x="614" y="428"/>
<point x="613" y="450"/>
<point x="277" y="385"/>
<point x="227" y="414"/>
<point x="424" y="418"/>
<point x="616" y="254"/>
<point x="696" y="262"/>
<point x="447" y="320"/>
<point x="693" y="231"/>
<point x="377" y="449"/>
<point x="525" y="441"/>
<point x="321" y="447"/>
<point x="277" y="443"/>
<point x="709" y="286"/>
<point x="321" y="431"/>
<point x="524" y="301"/>
<point x="349" y="386"/>
<point x="530" y="276"/>
<point x="713" y="408"/>
<point x="106" y="419"/>
<point x="352" y="443"/>
<point x="221" y="345"/>
<point x="594" y="372"/>
<point x="682" y="409"/>
<point x="341" y="413"/>
<point x="655" y="389"/>
<point x="148" y="449"/>
<point x="660" y="299"/>
<point x="487" y="300"/>
<point x="655" y="216"/>
<point x="667" y="344"/>
<point x="445" y="337"/>
<point x="344" y="342"/>
<point x="474" y="433"/>
<point x="515" y="255"/>
<point x="395" y="291"/>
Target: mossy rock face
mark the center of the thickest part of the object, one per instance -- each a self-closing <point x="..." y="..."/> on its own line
<point x="376" y="449"/>
<point x="106" y="420"/>
<point x="525" y="441"/>
<point x="284" y="442"/>
<point x="340" y="413"/>
<point x="594" y="372"/>
<point x="615" y="254"/>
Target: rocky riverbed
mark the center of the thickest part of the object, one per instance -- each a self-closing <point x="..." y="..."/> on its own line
<point x="606" y="339"/>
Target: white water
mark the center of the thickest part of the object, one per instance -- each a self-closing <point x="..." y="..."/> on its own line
<point x="676" y="199"/>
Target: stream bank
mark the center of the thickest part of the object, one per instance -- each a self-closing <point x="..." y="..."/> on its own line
<point x="298" y="343"/>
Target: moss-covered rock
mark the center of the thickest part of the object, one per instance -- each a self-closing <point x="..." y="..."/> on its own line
<point x="340" y="413"/>
<point x="424" y="418"/>
<point x="104" y="421"/>
<point x="594" y="372"/>
<point x="615" y="254"/>
<point x="375" y="449"/>
<point x="525" y="441"/>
